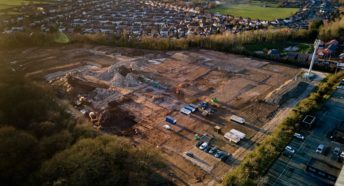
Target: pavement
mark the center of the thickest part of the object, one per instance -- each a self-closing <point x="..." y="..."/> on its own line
<point x="292" y="171"/>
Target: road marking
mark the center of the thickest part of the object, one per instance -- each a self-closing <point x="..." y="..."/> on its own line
<point x="285" y="168"/>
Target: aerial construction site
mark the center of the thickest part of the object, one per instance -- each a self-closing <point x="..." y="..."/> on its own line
<point x="174" y="101"/>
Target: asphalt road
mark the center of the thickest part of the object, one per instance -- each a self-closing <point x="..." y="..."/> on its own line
<point x="292" y="171"/>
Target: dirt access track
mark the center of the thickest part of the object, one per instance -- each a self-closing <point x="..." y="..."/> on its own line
<point x="132" y="91"/>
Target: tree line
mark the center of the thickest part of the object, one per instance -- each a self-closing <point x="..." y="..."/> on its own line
<point x="225" y="42"/>
<point x="41" y="144"/>
<point x="333" y="30"/>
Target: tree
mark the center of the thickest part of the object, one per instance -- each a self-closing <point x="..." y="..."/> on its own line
<point x="55" y="143"/>
<point x="105" y="160"/>
<point x="19" y="155"/>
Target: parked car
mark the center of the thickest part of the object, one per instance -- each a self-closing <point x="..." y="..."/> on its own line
<point x="342" y="155"/>
<point x="224" y="157"/>
<point x="218" y="154"/>
<point x="199" y="143"/>
<point x="320" y="148"/>
<point x="203" y="146"/>
<point x="299" y="136"/>
<point x="290" y="149"/>
<point x="207" y="148"/>
<point x="213" y="150"/>
<point x="336" y="151"/>
<point x="190" y="154"/>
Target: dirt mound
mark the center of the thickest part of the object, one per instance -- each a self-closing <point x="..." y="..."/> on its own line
<point x="120" y="76"/>
<point x="294" y="93"/>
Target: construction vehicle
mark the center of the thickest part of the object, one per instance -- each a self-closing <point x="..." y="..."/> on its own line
<point x="179" y="88"/>
<point x="212" y="101"/>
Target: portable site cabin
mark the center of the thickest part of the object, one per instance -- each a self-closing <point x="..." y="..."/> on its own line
<point x="238" y="133"/>
<point x="171" y="120"/>
<point x="185" y="111"/>
<point x="232" y="137"/>
<point x="237" y="119"/>
<point x="193" y="106"/>
<point x="190" y="108"/>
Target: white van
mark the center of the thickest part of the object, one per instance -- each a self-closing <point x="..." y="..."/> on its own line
<point x="237" y="119"/>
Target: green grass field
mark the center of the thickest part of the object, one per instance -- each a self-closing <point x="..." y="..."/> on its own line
<point x="4" y="4"/>
<point x="255" y="10"/>
<point x="10" y="3"/>
<point x="304" y="47"/>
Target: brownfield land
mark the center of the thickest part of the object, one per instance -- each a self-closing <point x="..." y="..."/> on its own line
<point x="131" y="92"/>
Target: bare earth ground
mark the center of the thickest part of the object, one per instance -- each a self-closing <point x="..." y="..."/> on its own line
<point x="132" y="91"/>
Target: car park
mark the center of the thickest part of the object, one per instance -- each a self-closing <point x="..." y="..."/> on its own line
<point x="299" y="136"/>
<point x="320" y="148"/>
<point x="212" y="150"/>
<point x="305" y="166"/>
<point x="203" y="146"/>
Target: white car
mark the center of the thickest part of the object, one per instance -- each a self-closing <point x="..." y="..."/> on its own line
<point x="290" y="149"/>
<point x="299" y="136"/>
<point x="167" y="127"/>
<point x="320" y="149"/>
<point x="203" y="146"/>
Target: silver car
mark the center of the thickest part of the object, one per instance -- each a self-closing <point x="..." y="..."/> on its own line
<point x="290" y="149"/>
<point x="299" y="136"/>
